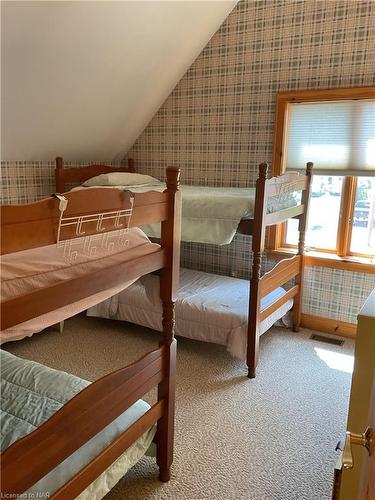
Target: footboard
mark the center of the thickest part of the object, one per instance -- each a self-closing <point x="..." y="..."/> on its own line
<point x="32" y="457"/>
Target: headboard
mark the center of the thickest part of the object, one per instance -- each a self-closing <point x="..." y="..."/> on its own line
<point x="64" y="176"/>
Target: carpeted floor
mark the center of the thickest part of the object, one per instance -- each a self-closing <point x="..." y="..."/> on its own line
<point x="269" y="438"/>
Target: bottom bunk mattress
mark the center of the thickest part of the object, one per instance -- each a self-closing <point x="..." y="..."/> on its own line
<point x="31" y="393"/>
<point x="209" y="307"/>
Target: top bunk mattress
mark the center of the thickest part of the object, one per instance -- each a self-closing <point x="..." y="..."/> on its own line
<point x="209" y="214"/>
<point x="34" y="269"/>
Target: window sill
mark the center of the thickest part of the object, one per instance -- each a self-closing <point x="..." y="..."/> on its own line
<point x="356" y="264"/>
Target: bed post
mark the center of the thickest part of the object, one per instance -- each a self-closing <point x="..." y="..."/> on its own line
<point x="297" y="304"/>
<point x="131" y="167"/>
<point x="60" y="186"/>
<point x="169" y="281"/>
<point x="258" y="248"/>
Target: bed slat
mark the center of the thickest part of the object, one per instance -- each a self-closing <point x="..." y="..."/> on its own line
<point x="283" y="215"/>
<point x="284" y="271"/>
<point x="286" y="183"/>
<point x="292" y="292"/>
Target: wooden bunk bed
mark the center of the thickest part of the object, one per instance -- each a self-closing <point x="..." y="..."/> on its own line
<point x="25" y="227"/>
<point x="282" y="273"/>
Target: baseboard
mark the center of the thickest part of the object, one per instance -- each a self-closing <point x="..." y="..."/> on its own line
<point x="329" y="325"/>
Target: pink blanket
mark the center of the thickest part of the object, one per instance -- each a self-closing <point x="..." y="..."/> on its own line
<point x="29" y="270"/>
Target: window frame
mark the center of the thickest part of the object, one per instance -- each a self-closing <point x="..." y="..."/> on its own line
<point x="276" y="240"/>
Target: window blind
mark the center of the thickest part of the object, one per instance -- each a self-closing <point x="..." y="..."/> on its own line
<point x="338" y="136"/>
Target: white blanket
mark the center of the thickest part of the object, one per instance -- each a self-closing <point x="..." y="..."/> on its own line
<point x="210" y="214"/>
<point x="209" y="307"/>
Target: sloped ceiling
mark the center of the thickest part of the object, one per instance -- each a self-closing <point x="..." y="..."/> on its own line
<point x="83" y="79"/>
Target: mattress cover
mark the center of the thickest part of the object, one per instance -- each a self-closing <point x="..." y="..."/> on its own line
<point x="209" y="307"/>
<point x="210" y="214"/>
<point x="37" y="268"/>
<point x="31" y="393"/>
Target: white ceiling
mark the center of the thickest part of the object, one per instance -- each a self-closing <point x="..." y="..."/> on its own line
<point x="83" y="79"/>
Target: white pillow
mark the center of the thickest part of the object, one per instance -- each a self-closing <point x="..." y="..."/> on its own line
<point x="120" y="179"/>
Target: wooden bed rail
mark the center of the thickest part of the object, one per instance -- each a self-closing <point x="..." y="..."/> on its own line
<point x="36" y="224"/>
<point x="286" y="183"/>
<point x="283" y="215"/>
<point x="75" y="175"/>
<point x="29" y="459"/>
<point x="290" y="294"/>
<point x="100" y="463"/>
<point x="280" y="274"/>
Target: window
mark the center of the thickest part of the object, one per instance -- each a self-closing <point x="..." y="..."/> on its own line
<point x="324" y="217"/>
<point x="363" y="225"/>
<point x="322" y="230"/>
<point x="335" y="129"/>
<point x="338" y="135"/>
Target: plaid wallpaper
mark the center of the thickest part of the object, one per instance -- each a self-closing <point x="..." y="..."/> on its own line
<point x="337" y="294"/>
<point x="217" y="125"/>
<point x="25" y="182"/>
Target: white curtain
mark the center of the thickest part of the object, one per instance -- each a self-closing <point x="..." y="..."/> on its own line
<point x="338" y="136"/>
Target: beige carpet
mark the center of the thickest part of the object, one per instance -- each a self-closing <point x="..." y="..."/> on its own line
<point x="269" y="438"/>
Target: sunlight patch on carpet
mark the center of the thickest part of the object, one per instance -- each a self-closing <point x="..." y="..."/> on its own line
<point x="336" y="360"/>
